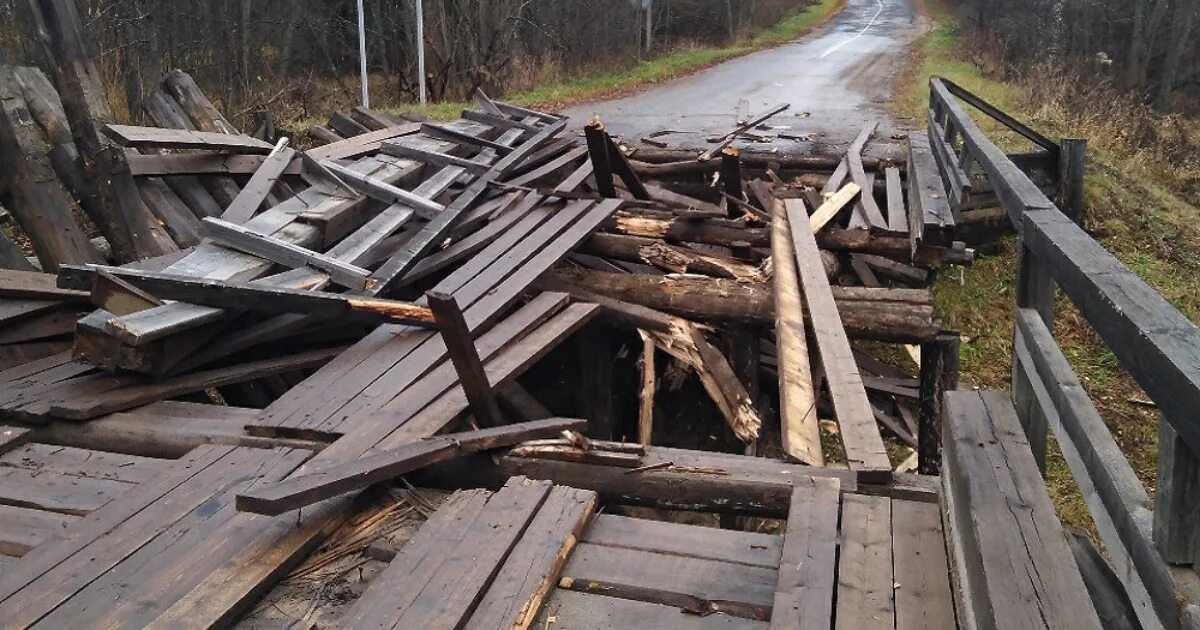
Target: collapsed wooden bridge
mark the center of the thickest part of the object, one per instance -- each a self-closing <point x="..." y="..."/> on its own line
<point x="500" y="373"/>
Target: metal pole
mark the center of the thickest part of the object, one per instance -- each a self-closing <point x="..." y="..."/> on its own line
<point x="421" y="48"/>
<point x="362" y="54"/>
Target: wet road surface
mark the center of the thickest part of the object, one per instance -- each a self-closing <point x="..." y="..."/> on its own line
<point x="836" y="79"/>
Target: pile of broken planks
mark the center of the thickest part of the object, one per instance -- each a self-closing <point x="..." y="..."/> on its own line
<point x="404" y="302"/>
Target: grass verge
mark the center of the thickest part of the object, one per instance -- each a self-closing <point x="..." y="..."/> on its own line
<point x="1143" y="220"/>
<point x="677" y="63"/>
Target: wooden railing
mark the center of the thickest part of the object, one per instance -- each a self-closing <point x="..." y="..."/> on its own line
<point x="1153" y="544"/>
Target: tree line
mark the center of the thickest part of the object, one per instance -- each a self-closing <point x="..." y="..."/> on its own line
<point x="250" y="54"/>
<point x="1147" y="47"/>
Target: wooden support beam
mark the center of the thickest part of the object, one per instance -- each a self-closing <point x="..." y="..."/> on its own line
<point x="861" y="440"/>
<point x="265" y="298"/>
<point x="306" y="489"/>
<point x="731" y="175"/>
<point x="459" y="345"/>
<point x="797" y="396"/>
<point x="867" y="213"/>
<point x="601" y="157"/>
<point x="897" y="215"/>
<point x="939" y="374"/>
<point x="435" y="158"/>
<point x="158" y="138"/>
<point x="443" y="132"/>
<point x="246" y="240"/>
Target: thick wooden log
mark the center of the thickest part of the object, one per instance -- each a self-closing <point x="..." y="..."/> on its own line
<point x="71" y="54"/>
<point x="904" y="315"/>
<point x="38" y="200"/>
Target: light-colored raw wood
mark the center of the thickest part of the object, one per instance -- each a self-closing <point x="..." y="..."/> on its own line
<point x="797" y="400"/>
<point x="646" y="398"/>
<point x="833" y="206"/>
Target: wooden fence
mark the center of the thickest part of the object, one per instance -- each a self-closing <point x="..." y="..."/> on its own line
<point x="1152" y="543"/>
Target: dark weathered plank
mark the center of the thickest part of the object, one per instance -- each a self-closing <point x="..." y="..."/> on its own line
<point x="531" y="570"/>
<point x="865" y="585"/>
<point x="463" y="355"/>
<point x="276" y="250"/>
<point x="1018" y="571"/>
<point x="923" y="597"/>
<point x="709" y="543"/>
<point x="331" y="481"/>
<point x="737" y="589"/>
<point x="897" y="214"/>
<point x="804" y="593"/>
<point x="255" y="192"/>
<point x="573" y="610"/>
<point x="157" y="138"/>
<point x="22" y="529"/>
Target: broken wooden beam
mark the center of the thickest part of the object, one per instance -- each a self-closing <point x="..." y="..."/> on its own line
<point x="460" y="346"/>
<point x="307" y="489"/>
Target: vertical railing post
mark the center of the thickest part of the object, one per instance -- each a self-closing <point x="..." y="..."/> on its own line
<point x="1035" y="289"/>
<point x="1176" y="498"/>
<point x="1072" y="165"/>
<point x="939" y="374"/>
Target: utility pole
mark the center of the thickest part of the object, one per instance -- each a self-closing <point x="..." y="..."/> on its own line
<point x="420" y="48"/>
<point x="362" y="54"/>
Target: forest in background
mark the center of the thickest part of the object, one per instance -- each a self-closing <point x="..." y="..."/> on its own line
<point x="299" y="58"/>
<point x="1150" y="48"/>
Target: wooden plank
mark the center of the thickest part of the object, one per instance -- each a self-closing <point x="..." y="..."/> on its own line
<point x="711" y="586"/>
<point x="868" y="213"/>
<point x="865" y="580"/>
<point x="136" y="395"/>
<point x="255" y="192"/>
<point x="798" y="408"/>
<point x="299" y="491"/>
<point x="399" y="584"/>
<point x="929" y="214"/>
<point x="259" y="297"/>
<point x="922" y="584"/>
<point x="246" y="240"/>
<point x="452" y="592"/>
<point x="443" y="132"/>
<point x="531" y="570"/>
<point x="22" y="529"/>
<point x="865" y="452"/>
<point x="833" y="206"/>
<point x="693" y="541"/>
<point x="463" y="355"/>
<point x="32" y="285"/>
<point x="804" y="592"/>
<point x="600" y="157"/>
<point x="158" y="138"/>
<point x="1019" y="572"/>
<point x="361" y="145"/>
<point x="378" y="189"/>
<point x="148" y="165"/>
<point x="54" y="491"/>
<point x="573" y="610"/>
<point x="435" y="158"/>
<point x="12" y="437"/>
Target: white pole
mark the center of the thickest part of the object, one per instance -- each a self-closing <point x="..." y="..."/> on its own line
<point x="362" y="54"/>
<point x="421" y="49"/>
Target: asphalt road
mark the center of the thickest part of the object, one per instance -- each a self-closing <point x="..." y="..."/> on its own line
<point x="836" y="79"/>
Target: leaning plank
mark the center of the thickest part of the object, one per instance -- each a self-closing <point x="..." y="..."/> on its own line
<point x="137" y="395"/>
<point x="865" y="452"/>
<point x="465" y="358"/>
<point x="798" y="402"/>
<point x="276" y="250"/>
<point x="833" y="206"/>
<point x="435" y="158"/>
<point x="804" y="594"/>
<point x="361" y="145"/>
<point x="252" y="196"/>
<point x="871" y="215"/>
<point x="157" y="138"/>
<point x="297" y="492"/>
<point x="897" y="215"/>
<point x="532" y="569"/>
<point x="385" y="192"/>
